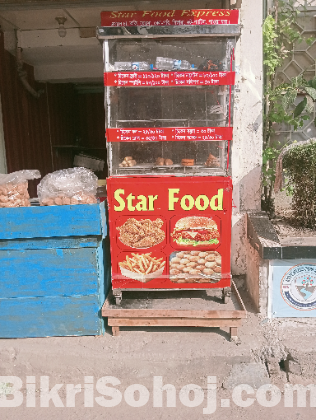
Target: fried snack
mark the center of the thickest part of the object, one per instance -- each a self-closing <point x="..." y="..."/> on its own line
<point x="163" y="162"/>
<point x="212" y="161"/>
<point x="78" y="198"/>
<point x="143" y="233"/>
<point x="142" y="263"/>
<point x="195" y="267"/>
<point x="168" y="162"/>
<point x="187" y="162"/>
<point x="14" y="195"/>
<point x="160" y="161"/>
<point x="128" y="162"/>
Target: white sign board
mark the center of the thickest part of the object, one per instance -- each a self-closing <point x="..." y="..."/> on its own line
<point x="293" y="291"/>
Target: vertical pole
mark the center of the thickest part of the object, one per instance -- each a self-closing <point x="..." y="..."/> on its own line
<point x="3" y="160"/>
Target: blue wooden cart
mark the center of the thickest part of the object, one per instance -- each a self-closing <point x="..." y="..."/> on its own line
<point x="54" y="270"/>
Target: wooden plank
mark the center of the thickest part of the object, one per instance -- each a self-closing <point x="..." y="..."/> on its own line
<point x="116" y="331"/>
<point x="173" y="322"/>
<point x="50" y="243"/>
<point x="171" y="313"/>
<point x="50" y="272"/>
<point x="52" y="221"/>
<point x="239" y="299"/>
<point x="50" y="316"/>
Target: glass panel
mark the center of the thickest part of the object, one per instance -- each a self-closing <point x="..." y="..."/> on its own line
<point x="187" y="106"/>
<point x="175" y="157"/>
<point x="211" y="54"/>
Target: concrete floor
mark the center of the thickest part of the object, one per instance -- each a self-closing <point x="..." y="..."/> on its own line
<point x="181" y="356"/>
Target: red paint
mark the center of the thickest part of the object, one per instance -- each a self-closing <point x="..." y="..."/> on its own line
<point x="166" y="208"/>
<point x="170" y="17"/>
<point x="169" y="134"/>
<point x="172" y="78"/>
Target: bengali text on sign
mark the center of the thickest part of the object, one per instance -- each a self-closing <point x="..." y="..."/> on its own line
<point x="169" y="134"/>
<point x="172" y="78"/>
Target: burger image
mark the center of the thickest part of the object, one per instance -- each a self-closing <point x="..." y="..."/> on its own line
<point x="196" y="231"/>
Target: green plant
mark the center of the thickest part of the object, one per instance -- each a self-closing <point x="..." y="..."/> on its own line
<point x="300" y="164"/>
<point x="279" y="36"/>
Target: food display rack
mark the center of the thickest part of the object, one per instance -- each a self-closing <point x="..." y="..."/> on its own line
<point x="169" y="92"/>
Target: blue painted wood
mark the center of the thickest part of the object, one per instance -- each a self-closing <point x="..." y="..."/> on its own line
<point x="50" y="272"/>
<point x="54" y="270"/>
<point x="50" y="243"/>
<point x="104" y="265"/>
<point x="50" y="316"/>
<point x="53" y="221"/>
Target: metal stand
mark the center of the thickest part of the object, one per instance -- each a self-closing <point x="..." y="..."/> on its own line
<point x="117" y="293"/>
<point x="226" y="293"/>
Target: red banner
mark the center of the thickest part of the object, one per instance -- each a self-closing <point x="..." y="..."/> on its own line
<point x="169" y="134"/>
<point x="170" y="232"/>
<point x="170" y="17"/>
<point x="172" y="78"/>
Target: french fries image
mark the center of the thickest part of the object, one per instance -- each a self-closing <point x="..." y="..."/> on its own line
<point x="142" y="266"/>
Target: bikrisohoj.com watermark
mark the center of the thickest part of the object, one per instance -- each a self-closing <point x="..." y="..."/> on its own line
<point x="104" y="392"/>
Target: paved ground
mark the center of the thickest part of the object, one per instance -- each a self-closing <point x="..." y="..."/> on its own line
<point x="179" y="356"/>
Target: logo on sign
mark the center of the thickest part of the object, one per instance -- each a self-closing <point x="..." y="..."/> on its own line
<point x="298" y="287"/>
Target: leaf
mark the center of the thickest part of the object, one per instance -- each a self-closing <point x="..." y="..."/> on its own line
<point x="312" y="92"/>
<point x="300" y="108"/>
<point x="314" y="83"/>
<point x="289" y="98"/>
<point x="309" y="105"/>
<point x="315" y="122"/>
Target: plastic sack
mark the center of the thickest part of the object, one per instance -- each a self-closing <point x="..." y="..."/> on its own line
<point x="14" y="188"/>
<point x="68" y="186"/>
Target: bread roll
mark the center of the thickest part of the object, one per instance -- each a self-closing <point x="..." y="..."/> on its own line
<point x="160" y="161"/>
<point x="168" y="162"/>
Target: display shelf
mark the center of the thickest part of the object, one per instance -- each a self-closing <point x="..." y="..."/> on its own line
<point x="142" y="169"/>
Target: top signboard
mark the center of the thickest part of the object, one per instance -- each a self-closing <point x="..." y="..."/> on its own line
<point x="170" y="17"/>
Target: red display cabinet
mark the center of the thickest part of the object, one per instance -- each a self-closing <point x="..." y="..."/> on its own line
<point x="169" y="92"/>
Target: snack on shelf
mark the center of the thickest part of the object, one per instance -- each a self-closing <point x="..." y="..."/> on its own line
<point x="211" y="65"/>
<point x="127" y="162"/>
<point x="68" y="187"/>
<point x="160" y="161"/>
<point x="142" y="267"/>
<point x="195" y="266"/>
<point x="79" y="198"/>
<point x="14" y="188"/>
<point x="212" y="161"/>
<point x="143" y="233"/>
<point x="187" y="162"/>
<point x="168" y="162"/>
<point x="163" y="162"/>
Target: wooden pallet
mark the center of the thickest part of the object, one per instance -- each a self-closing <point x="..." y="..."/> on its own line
<point x="176" y="309"/>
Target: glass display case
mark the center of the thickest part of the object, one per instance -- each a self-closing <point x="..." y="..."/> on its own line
<point x="169" y="98"/>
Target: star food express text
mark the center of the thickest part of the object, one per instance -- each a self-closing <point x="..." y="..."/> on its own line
<point x="186" y="202"/>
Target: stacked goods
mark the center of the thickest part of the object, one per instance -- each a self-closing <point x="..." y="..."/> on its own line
<point x="62" y="200"/>
<point x="212" y="161"/>
<point x="187" y="162"/>
<point x="67" y="187"/>
<point x="163" y="162"/>
<point x="127" y="162"/>
<point x="14" y="188"/>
